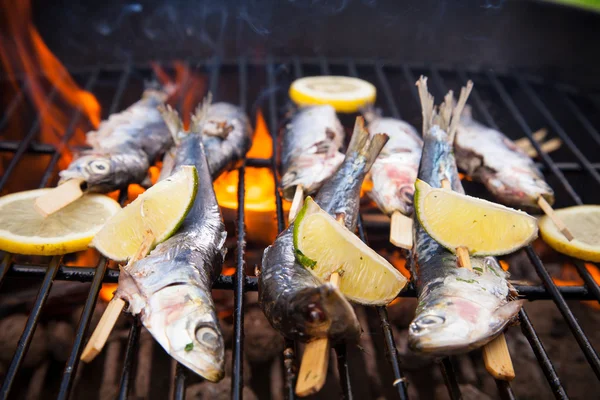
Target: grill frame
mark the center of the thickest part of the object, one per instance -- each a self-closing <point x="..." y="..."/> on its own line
<point x="241" y="283"/>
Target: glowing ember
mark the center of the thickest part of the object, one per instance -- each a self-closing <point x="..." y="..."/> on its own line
<point x="27" y="52"/>
<point x="504" y="265"/>
<point x="260" y="190"/>
<point x="107" y="291"/>
<point x="228" y="271"/>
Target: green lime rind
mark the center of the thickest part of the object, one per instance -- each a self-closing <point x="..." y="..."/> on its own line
<point x="194" y="172"/>
<point x="300" y="257"/>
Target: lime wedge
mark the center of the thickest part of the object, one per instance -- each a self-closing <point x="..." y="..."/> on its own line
<point x="325" y="246"/>
<point x="160" y="209"/>
<point x="457" y="220"/>
<point x="25" y="231"/>
<point x="584" y="224"/>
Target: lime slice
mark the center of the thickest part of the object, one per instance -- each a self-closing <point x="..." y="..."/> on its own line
<point x="324" y="246"/>
<point x="25" y="231"/>
<point x="457" y="220"/>
<point x="160" y="209"/>
<point x="584" y="224"/>
<point x="343" y="93"/>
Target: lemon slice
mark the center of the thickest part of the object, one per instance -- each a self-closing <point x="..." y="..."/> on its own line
<point x="160" y="209"/>
<point x="324" y="246"/>
<point x="24" y="231"/>
<point x="485" y="228"/>
<point x="584" y="224"/>
<point x="343" y="93"/>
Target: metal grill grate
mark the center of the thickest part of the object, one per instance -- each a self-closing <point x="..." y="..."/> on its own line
<point x="523" y="98"/>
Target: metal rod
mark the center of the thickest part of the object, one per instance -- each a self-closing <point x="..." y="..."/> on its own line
<point x="580" y="116"/>
<point x="590" y="283"/>
<point x="542" y="356"/>
<point x="128" y="364"/>
<point x="30" y="326"/>
<point x="528" y="132"/>
<point x="582" y="340"/>
<point x="237" y="383"/>
<point x="344" y="371"/>
<point x="387" y="90"/>
<point x="123" y="80"/>
<point x="505" y="390"/>
<point x="556" y="127"/>
<point x="179" y="381"/>
<point x="35" y="148"/>
<point x="84" y="322"/>
<point x="450" y="378"/>
<point x="69" y="132"/>
<point x="12" y="107"/>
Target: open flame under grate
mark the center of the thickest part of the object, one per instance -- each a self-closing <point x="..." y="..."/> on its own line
<point x="518" y="103"/>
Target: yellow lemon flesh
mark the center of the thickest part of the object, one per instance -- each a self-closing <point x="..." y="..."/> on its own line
<point x="160" y="209"/>
<point x="484" y="228"/>
<point x="25" y="231"/>
<point x="324" y="246"/>
<point x="584" y="224"/>
<point x="345" y="94"/>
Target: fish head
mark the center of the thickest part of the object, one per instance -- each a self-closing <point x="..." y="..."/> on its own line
<point x="101" y="171"/>
<point x="182" y="319"/>
<point x="324" y="312"/>
<point x="455" y="324"/>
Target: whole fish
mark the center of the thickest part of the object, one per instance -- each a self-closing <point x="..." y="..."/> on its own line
<point x="491" y="158"/>
<point x="171" y="287"/>
<point x="295" y="302"/>
<point x="310" y="149"/>
<point x="226" y="135"/>
<point x="459" y="309"/>
<point x="394" y="173"/>
<point x="123" y="148"/>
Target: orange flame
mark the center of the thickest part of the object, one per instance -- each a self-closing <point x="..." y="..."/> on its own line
<point x="107" y="291"/>
<point x="27" y="52"/>
<point x="569" y="276"/>
<point x="260" y="189"/>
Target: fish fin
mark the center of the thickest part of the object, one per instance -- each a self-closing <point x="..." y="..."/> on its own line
<point x="200" y="114"/>
<point x="508" y="311"/>
<point x="426" y="104"/>
<point x="171" y="118"/>
<point x="465" y="91"/>
<point x="363" y="144"/>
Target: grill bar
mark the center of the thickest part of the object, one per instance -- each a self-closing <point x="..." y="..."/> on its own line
<point x="240" y="283"/>
<point x="30" y="326"/>
<point x="15" y="102"/>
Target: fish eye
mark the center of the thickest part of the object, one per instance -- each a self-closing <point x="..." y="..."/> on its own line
<point x="430" y="321"/>
<point x="314" y="314"/>
<point x="99" y="166"/>
<point x="207" y="336"/>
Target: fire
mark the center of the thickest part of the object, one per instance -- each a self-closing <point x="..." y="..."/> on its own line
<point x="107" y="291"/>
<point x="189" y="87"/>
<point x="26" y="52"/>
<point x="260" y="189"/>
<point x="569" y="276"/>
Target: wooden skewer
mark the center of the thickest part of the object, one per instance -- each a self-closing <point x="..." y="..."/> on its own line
<point x="59" y="197"/>
<point x="549" y="211"/>
<point x="446" y="184"/>
<point x="547" y="147"/>
<point x="296" y="202"/>
<point x="538" y="136"/>
<point x="113" y="310"/>
<point x="315" y="360"/>
<point x="401" y="231"/>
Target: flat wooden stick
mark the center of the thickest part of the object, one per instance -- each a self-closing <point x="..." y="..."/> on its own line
<point x="113" y="310"/>
<point x="549" y="211"/>
<point x="401" y="234"/>
<point x="315" y="360"/>
<point x="59" y="197"/>
<point x="446" y="184"/>
<point x="538" y="136"/>
<point x="547" y="147"/>
<point x="296" y="202"/>
<point x="496" y="356"/>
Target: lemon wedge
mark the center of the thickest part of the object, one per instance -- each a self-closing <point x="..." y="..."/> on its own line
<point x="457" y="220"/>
<point x="160" y="209"/>
<point x="345" y="94"/>
<point x="25" y="231"/>
<point x="584" y="224"/>
<point x="325" y="246"/>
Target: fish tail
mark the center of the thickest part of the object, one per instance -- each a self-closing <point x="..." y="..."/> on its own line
<point x="465" y="91"/>
<point x="200" y="114"/>
<point x="172" y="120"/>
<point x="427" y="109"/>
<point x="362" y="144"/>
